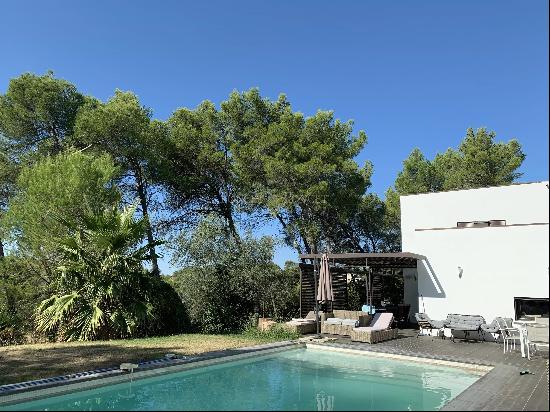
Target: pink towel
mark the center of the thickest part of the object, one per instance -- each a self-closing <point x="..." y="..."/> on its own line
<point x="380" y="321"/>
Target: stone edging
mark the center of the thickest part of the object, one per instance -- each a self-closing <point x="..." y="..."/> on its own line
<point x="476" y="368"/>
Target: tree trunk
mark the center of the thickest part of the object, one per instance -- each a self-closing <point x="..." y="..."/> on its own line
<point x="302" y="236"/>
<point x="226" y="210"/>
<point x="314" y="250"/>
<point x="232" y="226"/>
<point x="142" y="194"/>
<point x="1" y="249"/>
<point x="56" y="140"/>
<point x="288" y="239"/>
<point x="306" y="245"/>
<point x="373" y="244"/>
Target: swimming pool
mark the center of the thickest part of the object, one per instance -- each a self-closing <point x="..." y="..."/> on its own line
<point x="295" y="379"/>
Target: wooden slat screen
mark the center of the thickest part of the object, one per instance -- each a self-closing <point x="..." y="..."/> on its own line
<point x="339" y="289"/>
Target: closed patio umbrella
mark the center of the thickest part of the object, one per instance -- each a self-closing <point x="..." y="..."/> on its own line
<point x="324" y="292"/>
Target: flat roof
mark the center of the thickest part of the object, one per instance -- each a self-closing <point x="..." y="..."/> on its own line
<point x="477" y="188"/>
<point x="375" y="260"/>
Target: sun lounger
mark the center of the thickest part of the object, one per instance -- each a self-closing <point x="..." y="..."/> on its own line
<point x="303" y="326"/>
<point x="492" y="327"/>
<point x="378" y="330"/>
<point x="424" y="322"/>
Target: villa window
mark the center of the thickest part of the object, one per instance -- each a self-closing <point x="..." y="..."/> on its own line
<point x="527" y="306"/>
<point x="482" y="223"/>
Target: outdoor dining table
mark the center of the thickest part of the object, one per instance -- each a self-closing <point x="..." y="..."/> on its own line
<point x="522" y="327"/>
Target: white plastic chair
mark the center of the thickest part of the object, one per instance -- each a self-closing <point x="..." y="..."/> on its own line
<point x="509" y="334"/>
<point x="534" y="342"/>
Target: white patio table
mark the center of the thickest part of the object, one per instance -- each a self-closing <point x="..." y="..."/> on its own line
<point x="522" y="327"/>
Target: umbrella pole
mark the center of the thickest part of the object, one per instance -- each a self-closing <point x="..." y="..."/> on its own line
<point x="367" y="284"/>
<point x="318" y="336"/>
<point x="366" y="289"/>
<point x="370" y="286"/>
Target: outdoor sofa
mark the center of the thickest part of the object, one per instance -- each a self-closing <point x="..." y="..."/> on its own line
<point x="379" y="329"/>
<point x="466" y="324"/>
<point x="342" y="322"/>
<point x="307" y="324"/>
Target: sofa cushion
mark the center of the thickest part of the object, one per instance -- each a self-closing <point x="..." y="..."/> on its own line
<point x="300" y="320"/>
<point x="334" y="321"/>
<point x="464" y="322"/>
<point x="339" y="313"/>
<point x="349" y="314"/>
<point x="311" y="314"/>
<point x="350" y="322"/>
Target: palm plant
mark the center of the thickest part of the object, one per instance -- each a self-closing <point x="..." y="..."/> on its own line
<point x="104" y="291"/>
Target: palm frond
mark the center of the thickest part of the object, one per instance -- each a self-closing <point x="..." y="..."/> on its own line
<point x="104" y="288"/>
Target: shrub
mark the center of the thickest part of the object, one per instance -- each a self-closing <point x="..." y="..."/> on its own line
<point x="20" y="289"/>
<point x="276" y="332"/>
<point x="216" y="303"/>
<point x="170" y="316"/>
<point x="226" y="280"/>
<point x="104" y="290"/>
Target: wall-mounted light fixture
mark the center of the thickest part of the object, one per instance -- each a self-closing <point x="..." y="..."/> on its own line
<point x="460" y="270"/>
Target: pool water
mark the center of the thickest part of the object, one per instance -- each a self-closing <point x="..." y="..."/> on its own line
<point x="297" y="379"/>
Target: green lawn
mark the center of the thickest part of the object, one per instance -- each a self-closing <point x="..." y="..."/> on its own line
<point x="25" y="362"/>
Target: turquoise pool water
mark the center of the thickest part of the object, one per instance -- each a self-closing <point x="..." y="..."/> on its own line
<point x="298" y="379"/>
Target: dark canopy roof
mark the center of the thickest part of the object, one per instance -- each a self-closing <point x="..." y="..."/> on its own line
<point x="373" y="260"/>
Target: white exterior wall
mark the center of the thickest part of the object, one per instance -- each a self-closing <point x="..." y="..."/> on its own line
<point x="497" y="263"/>
<point x="410" y="291"/>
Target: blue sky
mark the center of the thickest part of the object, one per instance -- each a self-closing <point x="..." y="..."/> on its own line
<point x="411" y="74"/>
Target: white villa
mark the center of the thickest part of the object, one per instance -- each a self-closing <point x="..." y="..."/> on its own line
<point x="484" y="251"/>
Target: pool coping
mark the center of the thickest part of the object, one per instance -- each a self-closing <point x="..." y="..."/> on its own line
<point x="475" y="368"/>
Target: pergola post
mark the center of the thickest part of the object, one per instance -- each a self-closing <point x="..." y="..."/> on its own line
<point x="300" y="268"/>
<point x="370" y="286"/>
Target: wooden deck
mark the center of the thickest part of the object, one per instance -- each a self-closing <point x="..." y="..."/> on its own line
<point x="503" y="388"/>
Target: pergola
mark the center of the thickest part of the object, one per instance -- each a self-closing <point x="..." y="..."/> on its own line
<point x="342" y="264"/>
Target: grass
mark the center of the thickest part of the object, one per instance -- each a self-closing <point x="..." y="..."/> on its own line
<point x="27" y="362"/>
